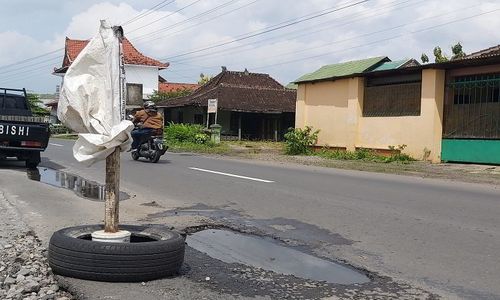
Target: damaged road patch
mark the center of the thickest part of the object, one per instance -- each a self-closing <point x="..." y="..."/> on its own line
<point x="246" y="277"/>
<point x="267" y="254"/>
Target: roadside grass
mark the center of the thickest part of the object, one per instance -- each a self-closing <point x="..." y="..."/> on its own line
<point x="254" y="147"/>
<point x="257" y="144"/>
<point x="69" y="136"/>
<point x="366" y="155"/>
<point x="209" y="148"/>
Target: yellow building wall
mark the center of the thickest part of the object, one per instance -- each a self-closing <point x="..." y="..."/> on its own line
<point x="335" y="108"/>
<point x="324" y="107"/>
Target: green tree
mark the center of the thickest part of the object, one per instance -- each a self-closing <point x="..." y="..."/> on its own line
<point x="161" y="96"/>
<point x="439" y="56"/>
<point x="204" y="79"/>
<point x="457" y="51"/>
<point x="424" y="58"/>
<point x="36" y="105"/>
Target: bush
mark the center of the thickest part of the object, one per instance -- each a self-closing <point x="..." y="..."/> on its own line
<point x="201" y="138"/>
<point x="186" y="133"/>
<point x="298" y="141"/>
<point x="59" y="129"/>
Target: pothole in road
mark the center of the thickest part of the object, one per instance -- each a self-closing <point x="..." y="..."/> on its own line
<point x="82" y="187"/>
<point x="267" y="254"/>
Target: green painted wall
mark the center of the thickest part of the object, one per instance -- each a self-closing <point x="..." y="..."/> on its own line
<point x="473" y="151"/>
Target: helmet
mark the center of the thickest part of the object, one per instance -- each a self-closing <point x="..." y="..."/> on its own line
<point x="150" y="105"/>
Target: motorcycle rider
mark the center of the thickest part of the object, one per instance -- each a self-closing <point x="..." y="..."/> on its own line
<point x="152" y="124"/>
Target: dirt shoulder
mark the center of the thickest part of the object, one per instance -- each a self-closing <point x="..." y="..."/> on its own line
<point x="272" y="152"/>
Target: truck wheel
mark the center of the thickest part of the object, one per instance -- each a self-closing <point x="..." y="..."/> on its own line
<point x="33" y="160"/>
<point x="153" y="252"/>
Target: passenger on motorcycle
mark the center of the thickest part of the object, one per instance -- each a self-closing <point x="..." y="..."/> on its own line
<point x="150" y="123"/>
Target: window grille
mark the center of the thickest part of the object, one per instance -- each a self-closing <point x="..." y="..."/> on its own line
<point x="392" y="97"/>
<point x="472" y="109"/>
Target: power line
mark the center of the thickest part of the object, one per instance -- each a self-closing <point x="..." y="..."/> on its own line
<point x="30" y="59"/>
<point x="27" y="71"/>
<point x="22" y="75"/>
<point x="31" y="65"/>
<point x="186" y="20"/>
<point x="147" y="12"/>
<point x="307" y="32"/>
<point x="372" y="42"/>
<point x="373" y="32"/>
<point x="180" y="9"/>
<point x="269" y="30"/>
<point x="194" y="25"/>
<point x="379" y="41"/>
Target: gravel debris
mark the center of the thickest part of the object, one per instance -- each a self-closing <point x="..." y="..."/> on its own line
<point x="24" y="270"/>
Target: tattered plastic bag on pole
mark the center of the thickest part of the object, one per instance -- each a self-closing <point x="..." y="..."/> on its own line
<point x="90" y="101"/>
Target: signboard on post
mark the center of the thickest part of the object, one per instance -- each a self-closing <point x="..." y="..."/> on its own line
<point x="212" y="106"/>
<point x="211" y="109"/>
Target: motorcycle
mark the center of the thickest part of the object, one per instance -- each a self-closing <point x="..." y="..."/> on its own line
<point x="151" y="148"/>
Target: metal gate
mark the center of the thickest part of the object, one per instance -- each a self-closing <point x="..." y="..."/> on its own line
<point x="471" y="129"/>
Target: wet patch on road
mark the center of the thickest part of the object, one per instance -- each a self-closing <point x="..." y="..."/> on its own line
<point x="241" y="278"/>
<point x="82" y="187"/>
<point x="268" y="254"/>
<point x="243" y="281"/>
<point x="293" y="232"/>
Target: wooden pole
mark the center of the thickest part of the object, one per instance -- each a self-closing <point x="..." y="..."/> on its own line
<point x="112" y="192"/>
<point x="112" y="189"/>
<point x="239" y="126"/>
<point x="275" y="130"/>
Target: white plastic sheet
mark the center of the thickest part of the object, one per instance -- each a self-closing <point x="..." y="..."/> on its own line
<point x="90" y="103"/>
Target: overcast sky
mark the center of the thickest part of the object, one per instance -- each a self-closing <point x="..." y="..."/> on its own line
<point x="234" y="31"/>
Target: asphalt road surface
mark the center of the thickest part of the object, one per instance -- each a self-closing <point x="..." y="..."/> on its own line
<point x="439" y="235"/>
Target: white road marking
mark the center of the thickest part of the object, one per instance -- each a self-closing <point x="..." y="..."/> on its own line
<point x="57" y="145"/>
<point x="232" y="175"/>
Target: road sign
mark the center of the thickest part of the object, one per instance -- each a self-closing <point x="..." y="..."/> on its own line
<point x="212" y="106"/>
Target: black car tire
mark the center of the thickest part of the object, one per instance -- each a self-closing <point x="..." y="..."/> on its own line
<point x="33" y="160"/>
<point x="73" y="254"/>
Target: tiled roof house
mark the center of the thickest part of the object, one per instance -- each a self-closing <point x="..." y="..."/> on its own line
<point x="250" y="105"/>
<point x="142" y="72"/>
<point x="240" y="91"/>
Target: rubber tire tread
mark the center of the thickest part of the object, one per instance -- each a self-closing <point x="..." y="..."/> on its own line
<point x="33" y="160"/>
<point x="156" y="157"/>
<point x="116" y="262"/>
<point x="119" y="269"/>
<point x="135" y="155"/>
<point x="140" y="261"/>
<point x="56" y="251"/>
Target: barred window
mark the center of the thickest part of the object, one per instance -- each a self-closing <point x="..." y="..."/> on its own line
<point x="393" y="96"/>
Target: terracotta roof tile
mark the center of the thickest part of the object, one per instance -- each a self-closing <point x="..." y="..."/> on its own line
<point x="175" y="86"/>
<point x="131" y="55"/>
